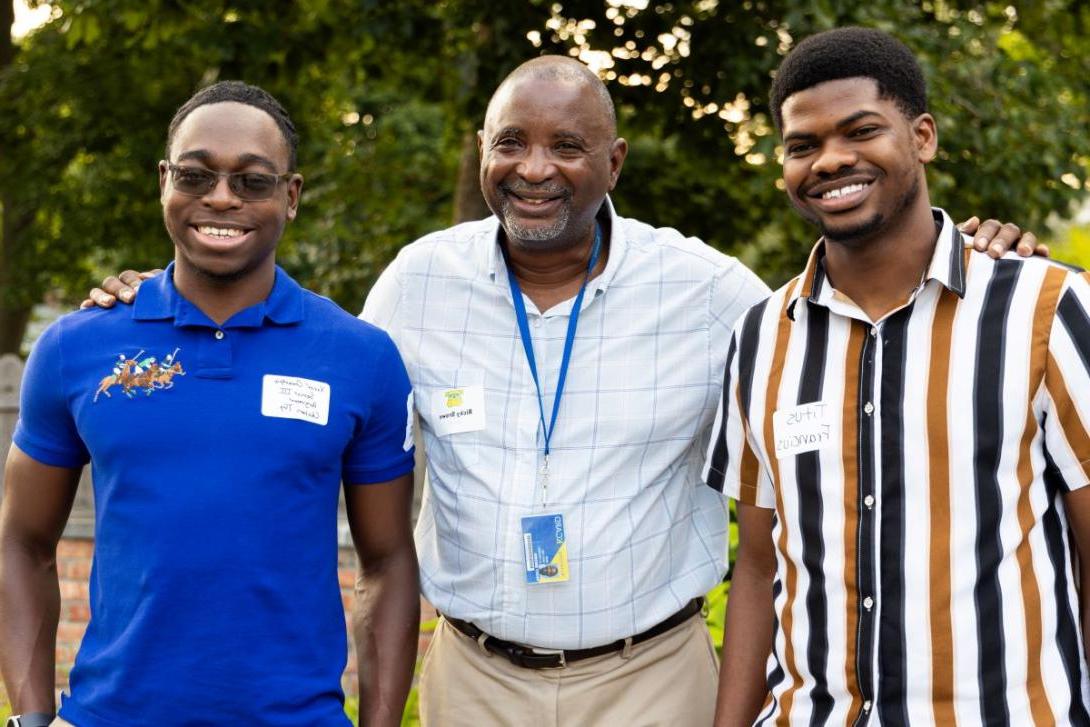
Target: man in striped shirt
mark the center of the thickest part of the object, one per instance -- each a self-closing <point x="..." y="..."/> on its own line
<point x="905" y="429"/>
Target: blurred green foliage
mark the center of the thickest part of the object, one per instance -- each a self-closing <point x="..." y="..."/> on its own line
<point x="386" y="96"/>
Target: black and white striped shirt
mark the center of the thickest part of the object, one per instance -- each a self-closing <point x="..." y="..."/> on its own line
<point x="917" y="466"/>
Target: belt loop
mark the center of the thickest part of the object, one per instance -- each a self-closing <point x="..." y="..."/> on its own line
<point x="626" y="652"/>
<point x="480" y="644"/>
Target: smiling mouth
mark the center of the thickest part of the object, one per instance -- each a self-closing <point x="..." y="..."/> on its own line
<point x="844" y="191"/>
<point x="221" y="233"/>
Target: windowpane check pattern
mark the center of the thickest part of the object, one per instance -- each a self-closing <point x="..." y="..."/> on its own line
<point x="644" y="535"/>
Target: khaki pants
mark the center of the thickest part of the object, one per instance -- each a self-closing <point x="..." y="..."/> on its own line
<point x="669" y="680"/>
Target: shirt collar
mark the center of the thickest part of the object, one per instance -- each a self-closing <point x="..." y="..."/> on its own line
<point x="160" y="300"/>
<point x="612" y="234"/>
<point x="947" y="265"/>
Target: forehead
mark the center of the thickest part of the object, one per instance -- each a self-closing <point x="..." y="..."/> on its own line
<point x="229" y="130"/>
<point x="549" y="106"/>
<point x="832" y="101"/>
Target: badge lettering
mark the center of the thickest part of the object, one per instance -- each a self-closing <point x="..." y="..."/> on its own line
<point x="804" y="428"/>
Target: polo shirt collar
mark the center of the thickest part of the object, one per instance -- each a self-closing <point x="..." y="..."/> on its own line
<point x="612" y="234"/>
<point x="160" y="300"/>
<point x="947" y="265"/>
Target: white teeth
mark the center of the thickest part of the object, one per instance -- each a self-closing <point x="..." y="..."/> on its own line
<point x="223" y="232"/>
<point x="850" y="189"/>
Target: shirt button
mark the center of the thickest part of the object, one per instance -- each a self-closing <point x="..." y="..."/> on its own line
<point x="868" y="408"/>
<point x="868" y="603"/>
<point x="869" y="501"/>
<point x="874" y="331"/>
<point x="866" y="706"/>
<point x="219" y="335"/>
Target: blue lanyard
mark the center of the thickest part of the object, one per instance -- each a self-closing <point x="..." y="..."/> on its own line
<point x="569" y="340"/>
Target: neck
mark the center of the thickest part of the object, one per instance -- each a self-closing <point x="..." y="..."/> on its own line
<point x="549" y="277"/>
<point x="880" y="274"/>
<point x="220" y="298"/>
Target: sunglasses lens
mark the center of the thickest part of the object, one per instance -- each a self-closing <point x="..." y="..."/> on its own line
<point x="191" y="180"/>
<point x="253" y="185"/>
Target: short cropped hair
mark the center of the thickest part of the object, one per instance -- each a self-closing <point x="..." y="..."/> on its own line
<point x="244" y="93"/>
<point x="852" y="53"/>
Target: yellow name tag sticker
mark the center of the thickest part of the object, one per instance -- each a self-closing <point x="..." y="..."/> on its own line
<point x="458" y="409"/>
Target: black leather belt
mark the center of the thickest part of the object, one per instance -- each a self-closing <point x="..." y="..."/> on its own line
<point x="530" y="658"/>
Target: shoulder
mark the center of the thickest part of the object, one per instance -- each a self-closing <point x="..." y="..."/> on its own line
<point x="692" y="259"/>
<point x="326" y="316"/>
<point x="89" y="323"/>
<point x="448" y="251"/>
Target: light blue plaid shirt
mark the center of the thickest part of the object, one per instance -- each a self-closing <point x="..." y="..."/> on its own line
<point x="644" y="535"/>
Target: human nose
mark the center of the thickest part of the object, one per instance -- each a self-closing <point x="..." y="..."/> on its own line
<point x="536" y="165"/>
<point x="221" y="196"/>
<point x="832" y="157"/>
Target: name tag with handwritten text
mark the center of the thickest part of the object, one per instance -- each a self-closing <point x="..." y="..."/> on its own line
<point x="292" y="397"/>
<point x="804" y="428"/>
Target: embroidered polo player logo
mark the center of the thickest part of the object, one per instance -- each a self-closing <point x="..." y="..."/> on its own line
<point x="137" y="374"/>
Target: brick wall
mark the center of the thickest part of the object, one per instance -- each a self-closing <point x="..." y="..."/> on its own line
<point x="74" y="569"/>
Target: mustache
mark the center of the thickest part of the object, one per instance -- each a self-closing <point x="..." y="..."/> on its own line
<point x="542" y="189"/>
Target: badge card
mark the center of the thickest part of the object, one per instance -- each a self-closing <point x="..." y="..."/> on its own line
<point x="544" y="549"/>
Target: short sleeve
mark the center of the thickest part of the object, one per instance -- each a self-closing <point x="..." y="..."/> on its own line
<point x="46" y="430"/>
<point x="1067" y="380"/>
<point x="380" y="308"/>
<point x="737" y="289"/>
<point x="382" y="448"/>
<point x="732" y="466"/>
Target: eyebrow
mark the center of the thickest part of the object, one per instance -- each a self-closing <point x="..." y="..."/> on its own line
<point x="205" y="157"/>
<point x="846" y="121"/>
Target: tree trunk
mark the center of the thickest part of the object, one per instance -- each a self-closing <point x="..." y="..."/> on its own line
<point x="12" y="328"/>
<point x="468" y="202"/>
<point x="13" y="317"/>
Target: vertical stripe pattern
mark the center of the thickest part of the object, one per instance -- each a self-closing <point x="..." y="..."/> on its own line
<point x="917" y="466"/>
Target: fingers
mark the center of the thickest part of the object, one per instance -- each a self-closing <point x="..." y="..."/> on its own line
<point x="970" y="226"/>
<point x="119" y="289"/>
<point x="98" y="297"/>
<point x="1042" y="250"/>
<point x="1027" y="246"/>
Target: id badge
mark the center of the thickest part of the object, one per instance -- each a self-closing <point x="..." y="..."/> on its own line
<point x="544" y="549"/>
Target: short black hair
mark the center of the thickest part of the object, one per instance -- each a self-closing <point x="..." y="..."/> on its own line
<point x="852" y="53"/>
<point x="243" y="93"/>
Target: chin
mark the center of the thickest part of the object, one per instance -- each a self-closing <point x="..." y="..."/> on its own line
<point x="853" y="234"/>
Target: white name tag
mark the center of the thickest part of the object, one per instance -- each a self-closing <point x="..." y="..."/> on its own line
<point x="804" y="428"/>
<point x="291" y="397"/>
<point x="460" y="409"/>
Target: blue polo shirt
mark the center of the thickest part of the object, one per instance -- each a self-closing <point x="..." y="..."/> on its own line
<point x="218" y="453"/>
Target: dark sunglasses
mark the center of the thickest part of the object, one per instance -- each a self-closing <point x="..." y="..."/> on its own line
<point x="248" y="186"/>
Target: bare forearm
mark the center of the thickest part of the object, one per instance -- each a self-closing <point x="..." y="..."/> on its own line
<point x="386" y="627"/>
<point x="747" y="642"/>
<point x="29" y="609"/>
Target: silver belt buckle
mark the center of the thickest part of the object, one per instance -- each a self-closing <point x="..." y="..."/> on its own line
<point x="546" y="652"/>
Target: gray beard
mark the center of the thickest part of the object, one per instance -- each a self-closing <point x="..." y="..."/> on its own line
<point x="535" y="234"/>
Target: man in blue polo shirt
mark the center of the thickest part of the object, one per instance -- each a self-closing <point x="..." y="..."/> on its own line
<point x="248" y="401"/>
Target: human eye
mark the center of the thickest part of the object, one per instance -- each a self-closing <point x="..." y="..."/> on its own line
<point x="256" y="182"/>
<point x="506" y="143"/>
<point x="864" y="131"/>
<point x="799" y="149"/>
<point x="192" y="178"/>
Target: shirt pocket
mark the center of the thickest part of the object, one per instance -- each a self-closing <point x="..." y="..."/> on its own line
<point x="453" y="416"/>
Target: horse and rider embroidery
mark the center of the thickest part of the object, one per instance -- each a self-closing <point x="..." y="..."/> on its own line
<point x="141" y="374"/>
